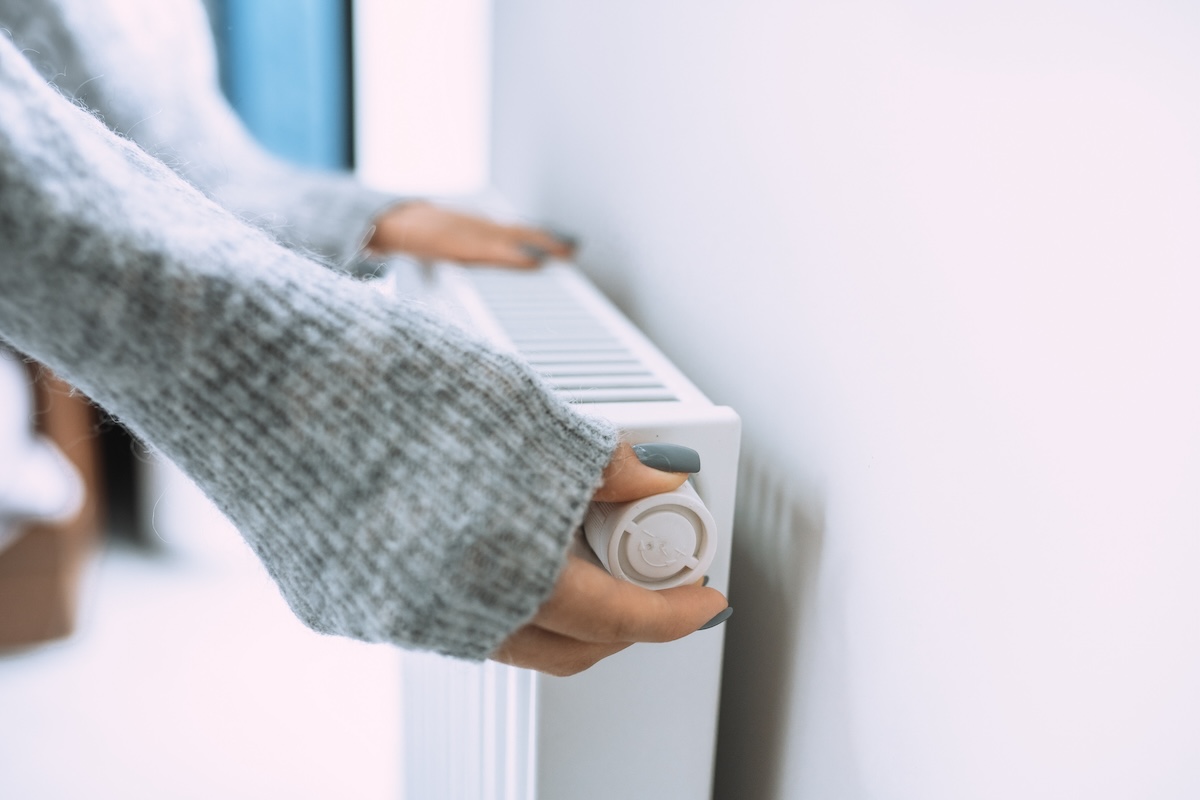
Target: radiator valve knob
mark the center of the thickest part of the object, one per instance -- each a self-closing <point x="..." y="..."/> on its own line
<point x="657" y="542"/>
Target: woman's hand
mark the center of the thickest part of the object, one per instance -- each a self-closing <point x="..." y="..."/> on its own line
<point x="427" y="231"/>
<point x="591" y="614"/>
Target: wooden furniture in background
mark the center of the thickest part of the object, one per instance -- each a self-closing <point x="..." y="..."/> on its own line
<point x="41" y="572"/>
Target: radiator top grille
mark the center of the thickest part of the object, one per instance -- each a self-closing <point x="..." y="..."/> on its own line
<point x="558" y="332"/>
<point x="585" y="349"/>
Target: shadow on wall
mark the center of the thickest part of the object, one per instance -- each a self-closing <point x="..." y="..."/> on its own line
<point x="779" y="571"/>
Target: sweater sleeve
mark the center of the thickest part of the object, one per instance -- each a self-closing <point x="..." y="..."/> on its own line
<point x="148" y="69"/>
<point x="401" y="481"/>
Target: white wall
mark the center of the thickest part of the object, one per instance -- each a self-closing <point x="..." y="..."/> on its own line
<point x="941" y="258"/>
<point x="421" y="71"/>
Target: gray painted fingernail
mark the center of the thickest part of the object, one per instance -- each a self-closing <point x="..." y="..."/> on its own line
<point x="668" y="457"/>
<point x="565" y="239"/>
<point x="705" y="581"/>
<point x="717" y="620"/>
<point x="538" y="254"/>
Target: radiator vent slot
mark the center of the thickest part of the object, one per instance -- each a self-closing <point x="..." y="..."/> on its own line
<point x="581" y="357"/>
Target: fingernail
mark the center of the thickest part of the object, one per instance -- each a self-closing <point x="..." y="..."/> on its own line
<point x="705" y="581"/>
<point x="565" y="239"/>
<point x="717" y="620"/>
<point x="538" y="254"/>
<point x="668" y="457"/>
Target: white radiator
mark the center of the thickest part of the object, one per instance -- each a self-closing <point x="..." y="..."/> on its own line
<point x="642" y="723"/>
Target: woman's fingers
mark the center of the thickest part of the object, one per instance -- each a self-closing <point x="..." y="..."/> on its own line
<point x="432" y="232"/>
<point x="590" y="605"/>
<point x="626" y="478"/>
<point x="533" y="241"/>
<point x="507" y="245"/>
<point x="533" y="647"/>
<point x="592" y="615"/>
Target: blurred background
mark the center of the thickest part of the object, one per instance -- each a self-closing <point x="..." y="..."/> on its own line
<point x="942" y="260"/>
<point x="182" y="673"/>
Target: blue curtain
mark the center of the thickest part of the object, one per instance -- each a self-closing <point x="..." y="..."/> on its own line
<point x="286" y="69"/>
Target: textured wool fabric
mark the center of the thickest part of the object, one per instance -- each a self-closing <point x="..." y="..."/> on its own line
<point x="401" y="481"/>
<point x="148" y="69"/>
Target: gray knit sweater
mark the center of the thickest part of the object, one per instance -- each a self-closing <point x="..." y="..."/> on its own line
<point x="148" y="69"/>
<point x="401" y="481"/>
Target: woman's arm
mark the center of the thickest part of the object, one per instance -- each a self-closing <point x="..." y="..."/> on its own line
<point x="148" y="69"/>
<point x="401" y="481"/>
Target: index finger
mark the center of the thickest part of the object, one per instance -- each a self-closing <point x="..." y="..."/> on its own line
<point x="590" y="605"/>
<point x="551" y="243"/>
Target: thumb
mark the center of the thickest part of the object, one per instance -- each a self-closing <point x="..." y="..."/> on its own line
<point x="630" y="476"/>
